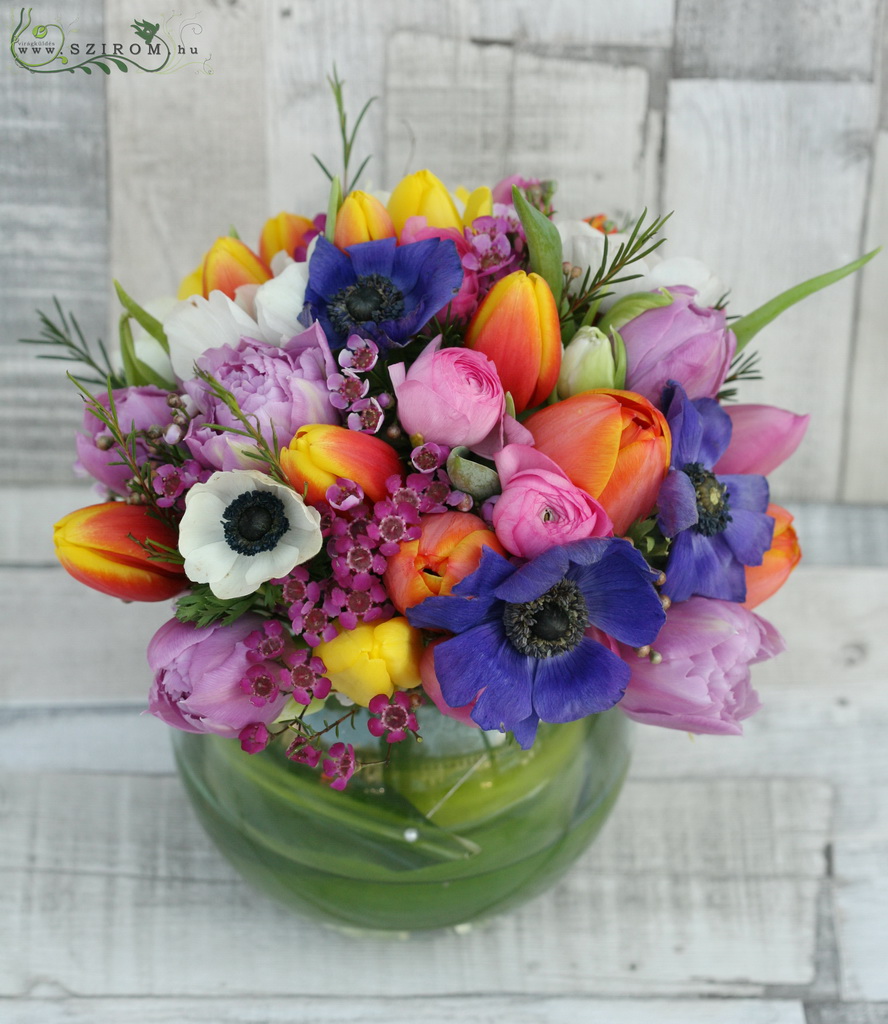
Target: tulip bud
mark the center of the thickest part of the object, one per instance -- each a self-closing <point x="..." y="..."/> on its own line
<point x="229" y="264"/>
<point x="284" y="233"/>
<point x="447" y="550"/>
<point x="372" y="659"/>
<point x="613" y="444"/>
<point x="518" y="329"/>
<point x="94" y="546"/>
<point x="762" y="581"/>
<point x="319" y="453"/>
<point x="423" y="195"/>
<point x="476" y="204"/>
<point x="362" y="218"/>
<point x="592" y="360"/>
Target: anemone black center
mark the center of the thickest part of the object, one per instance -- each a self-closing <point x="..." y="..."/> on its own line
<point x="255" y="521"/>
<point x="713" y="504"/>
<point x="371" y="299"/>
<point x="551" y="624"/>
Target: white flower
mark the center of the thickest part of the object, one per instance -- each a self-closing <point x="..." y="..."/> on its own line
<point x="684" y="270"/>
<point x="583" y="246"/>
<point x="241" y="528"/>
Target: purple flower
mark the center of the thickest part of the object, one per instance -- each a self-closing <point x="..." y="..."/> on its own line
<point x="138" y="409"/>
<point x="394" y="717"/>
<point x="681" y="341"/>
<point x="283" y="388"/>
<point x="340" y="765"/>
<point x="379" y="289"/>
<point x="198" y="674"/>
<point x="254" y="737"/>
<point x="521" y="649"/>
<point x="717" y="524"/>
<point x="702" y="683"/>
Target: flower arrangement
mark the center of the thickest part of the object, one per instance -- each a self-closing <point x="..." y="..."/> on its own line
<point x="437" y="453"/>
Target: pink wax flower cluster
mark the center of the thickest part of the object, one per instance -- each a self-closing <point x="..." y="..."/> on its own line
<point x="434" y="455"/>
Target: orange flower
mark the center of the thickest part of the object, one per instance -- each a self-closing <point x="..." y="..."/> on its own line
<point x="613" y="444"/>
<point x="517" y="328"/>
<point x="448" y="549"/>
<point x="227" y="265"/>
<point x="362" y="218"/>
<point x="319" y="453"/>
<point x="780" y="559"/>
<point x="94" y="546"/>
<point x="283" y="233"/>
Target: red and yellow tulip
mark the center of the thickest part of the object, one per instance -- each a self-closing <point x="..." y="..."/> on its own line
<point x="762" y="581"/>
<point x="517" y="328"/>
<point x="362" y="218"/>
<point x="227" y="265"/>
<point x="613" y="444"/>
<point x="319" y="453"/>
<point x="284" y="233"/>
<point x="372" y="659"/>
<point x="448" y="549"/>
<point x="94" y="545"/>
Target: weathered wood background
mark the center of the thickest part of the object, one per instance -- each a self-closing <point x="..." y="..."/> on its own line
<point x="741" y="882"/>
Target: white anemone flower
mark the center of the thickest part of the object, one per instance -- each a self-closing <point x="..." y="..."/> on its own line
<point x="241" y="529"/>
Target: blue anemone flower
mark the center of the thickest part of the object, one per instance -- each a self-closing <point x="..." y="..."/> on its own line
<point x="381" y="290"/>
<point x="717" y="524"/>
<point x="521" y="645"/>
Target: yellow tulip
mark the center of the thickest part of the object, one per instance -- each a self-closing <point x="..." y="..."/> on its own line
<point x="421" y="194"/>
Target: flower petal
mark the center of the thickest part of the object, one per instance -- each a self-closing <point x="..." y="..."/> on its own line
<point x="676" y="503"/>
<point x="583" y="682"/>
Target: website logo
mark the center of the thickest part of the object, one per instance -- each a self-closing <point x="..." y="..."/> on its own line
<point x="171" y="44"/>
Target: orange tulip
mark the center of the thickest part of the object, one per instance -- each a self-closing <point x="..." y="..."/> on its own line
<point x="94" y="546"/>
<point x="448" y="549"/>
<point x="613" y="444"/>
<point x="780" y="559"/>
<point x="362" y="218"/>
<point x="319" y="453"/>
<point x="283" y="233"/>
<point x="230" y="264"/>
<point x="517" y="328"/>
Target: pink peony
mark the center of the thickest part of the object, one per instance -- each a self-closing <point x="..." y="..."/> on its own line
<point x="702" y="684"/>
<point x="198" y="674"/>
<point x="137" y="408"/>
<point x="454" y="396"/>
<point x="284" y="388"/>
<point x="684" y="342"/>
<point x="539" y="507"/>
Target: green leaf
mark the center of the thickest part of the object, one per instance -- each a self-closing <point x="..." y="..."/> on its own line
<point x="122" y="65"/>
<point x="102" y="67"/>
<point x="333" y="205"/>
<point x="631" y="306"/>
<point x="142" y="317"/>
<point x="747" y="327"/>
<point x="543" y="243"/>
<point x="137" y="372"/>
<point x="620" y="361"/>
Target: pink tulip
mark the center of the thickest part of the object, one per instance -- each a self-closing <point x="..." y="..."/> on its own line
<point x="763" y="437"/>
<point x="702" y="684"/>
<point x="539" y="506"/>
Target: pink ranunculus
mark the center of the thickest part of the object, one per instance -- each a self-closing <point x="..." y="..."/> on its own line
<point x="464" y="303"/>
<point x="454" y="396"/>
<point x="682" y="341"/>
<point x="137" y="407"/>
<point x="282" y="388"/>
<point x="539" y="507"/>
<point x="198" y="674"/>
<point x="702" y="684"/>
<point x="762" y="438"/>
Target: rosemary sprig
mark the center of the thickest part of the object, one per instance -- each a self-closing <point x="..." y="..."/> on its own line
<point x="347" y="137"/>
<point x="76" y="349"/>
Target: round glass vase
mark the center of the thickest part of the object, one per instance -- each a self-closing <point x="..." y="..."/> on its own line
<point x="453" y="829"/>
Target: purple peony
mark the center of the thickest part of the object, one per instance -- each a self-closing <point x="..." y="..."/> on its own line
<point x="198" y="674"/>
<point x="283" y="388"/>
<point x="137" y="408"/>
<point x="682" y="341"/>
<point x="702" y="684"/>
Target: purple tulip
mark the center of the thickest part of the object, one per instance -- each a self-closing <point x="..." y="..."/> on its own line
<point x="198" y="676"/>
<point x="763" y="437"/>
<point x="702" y="684"/>
<point x="682" y="341"/>
<point x="137" y="408"/>
<point x="283" y="388"/>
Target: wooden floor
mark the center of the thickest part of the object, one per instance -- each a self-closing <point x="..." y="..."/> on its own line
<point x="739" y="881"/>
